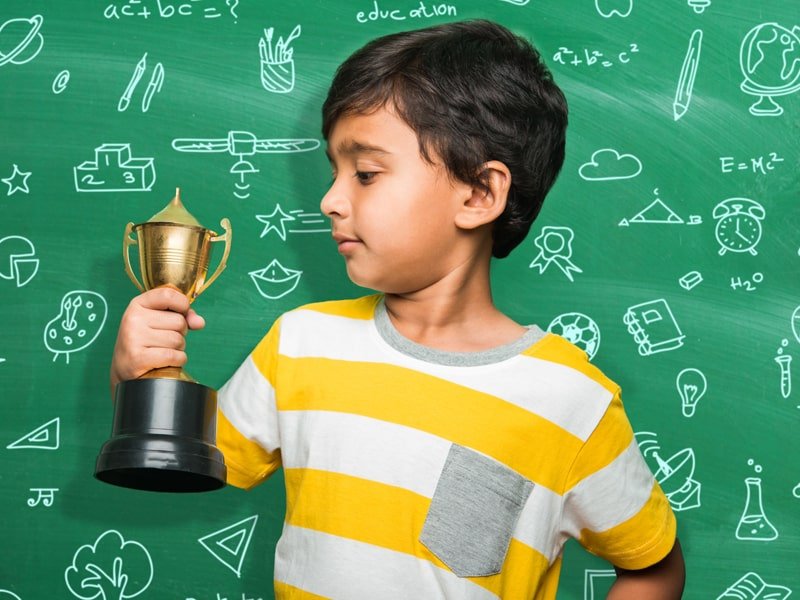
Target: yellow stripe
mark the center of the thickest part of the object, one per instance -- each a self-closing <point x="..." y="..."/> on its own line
<point x="238" y="450"/>
<point x="265" y="354"/>
<point x="611" y="438"/>
<point x="656" y="518"/>
<point x="284" y="591"/>
<point x="548" y="586"/>
<point x="358" y="308"/>
<point x="556" y="349"/>
<point x="467" y="417"/>
<point x="390" y="517"/>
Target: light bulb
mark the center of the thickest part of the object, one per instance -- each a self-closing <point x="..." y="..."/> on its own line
<point x="691" y="384"/>
<point x="699" y="5"/>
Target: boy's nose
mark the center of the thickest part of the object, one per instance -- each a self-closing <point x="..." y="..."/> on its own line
<point x="334" y="202"/>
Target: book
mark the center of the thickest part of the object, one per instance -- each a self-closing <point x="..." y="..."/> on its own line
<point x="653" y="327"/>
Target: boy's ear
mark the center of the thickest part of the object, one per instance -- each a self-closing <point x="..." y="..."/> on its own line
<point x="488" y="201"/>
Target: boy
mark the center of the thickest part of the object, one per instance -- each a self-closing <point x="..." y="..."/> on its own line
<point x="432" y="447"/>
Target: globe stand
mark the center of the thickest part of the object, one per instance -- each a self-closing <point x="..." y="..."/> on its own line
<point x="766" y="107"/>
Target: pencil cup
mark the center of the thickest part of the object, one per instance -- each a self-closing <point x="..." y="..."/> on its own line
<point x="278" y="77"/>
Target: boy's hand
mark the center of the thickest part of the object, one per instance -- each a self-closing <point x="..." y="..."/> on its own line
<point x="151" y="334"/>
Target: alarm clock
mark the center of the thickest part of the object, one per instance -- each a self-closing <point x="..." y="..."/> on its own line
<point x="739" y="225"/>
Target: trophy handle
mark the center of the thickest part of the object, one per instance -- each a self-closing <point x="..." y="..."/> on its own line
<point x="127" y="242"/>
<point x="226" y="225"/>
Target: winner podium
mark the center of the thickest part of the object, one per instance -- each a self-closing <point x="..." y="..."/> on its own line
<point x="164" y="430"/>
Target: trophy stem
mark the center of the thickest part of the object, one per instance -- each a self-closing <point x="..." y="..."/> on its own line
<point x="168" y="373"/>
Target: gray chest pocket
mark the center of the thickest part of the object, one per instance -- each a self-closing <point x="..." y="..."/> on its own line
<point x="473" y="513"/>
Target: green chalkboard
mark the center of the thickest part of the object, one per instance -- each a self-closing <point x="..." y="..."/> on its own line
<point x="668" y="249"/>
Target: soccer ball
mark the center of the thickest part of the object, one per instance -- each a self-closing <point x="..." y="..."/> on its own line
<point x="578" y="329"/>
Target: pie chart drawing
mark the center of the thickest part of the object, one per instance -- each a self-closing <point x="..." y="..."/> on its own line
<point x="18" y="259"/>
<point x="20" y="40"/>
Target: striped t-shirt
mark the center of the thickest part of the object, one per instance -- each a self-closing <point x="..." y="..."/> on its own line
<point x="417" y="473"/>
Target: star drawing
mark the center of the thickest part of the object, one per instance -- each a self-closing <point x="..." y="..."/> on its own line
<point x="275" y="222"/>
<point x="17" y="181"/>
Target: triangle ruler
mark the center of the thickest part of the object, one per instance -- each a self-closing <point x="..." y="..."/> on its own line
<point x="229" y="545"/>
<point x="44" y="437"/>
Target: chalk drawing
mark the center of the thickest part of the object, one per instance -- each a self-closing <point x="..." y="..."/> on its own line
<point x="229" y="545"/>
<point x="699" y="6"/>
<point x="683" y="91"/>
<point x="17" y="181"/>
<point x="7" y="595"/>
<point x="738" y="225"/>
<point x="44" y="496"/>
<point x="60" y="82"/>
<point x="110" y="568"/>
<point x="795" y="323"/>
<point x="18" y="260"/>
<point x="653" y="327"/>
<point x="275" y="281"/>
<point x="785" y="363"/>
<point x="153" y="86"/>
<point x="115" y="170"/>
<point x="241" y="144"/>
<point x="578" y="329"/>
<point x="277" y="64"/>
<point x="608" y="164"/>
<point x="23" y="40"/>
<point x="80" y="320"/>
<point x="675" y="474"/>
<point x="597" y="582"/>
<point x="517" y="2"/>
<point x="692" y="385"/>
<point x="555" y="248"/>
<point x="298" y="221"/>
<point x="769" y="58"/>
<point x="44" y="437"/>
<point x="614" y="8"/>
<point x="752" y="587"/>
<point x="658" y="213"/>
<point x="758" y="165"/>
<point x="754" y="526"/>
<point x="690" y="280"/>
<point x="748" y="285"/>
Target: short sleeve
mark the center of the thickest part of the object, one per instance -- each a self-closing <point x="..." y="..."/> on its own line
<point x="247" y="420"/>
<point x="613" y="506"/>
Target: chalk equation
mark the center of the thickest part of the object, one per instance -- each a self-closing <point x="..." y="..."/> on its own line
<point x="422" y="11"/>
<point x="748" y="285"/>
<point x="763" y="164"/>
<point x="593" y="57"/>
<point x="167" y="9"/>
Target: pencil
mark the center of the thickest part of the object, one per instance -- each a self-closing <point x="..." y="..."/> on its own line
<point x="683" y="92"/>
<point x="125" y="99"/>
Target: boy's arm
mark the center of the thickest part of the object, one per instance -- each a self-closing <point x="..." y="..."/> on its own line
<point x="661" y="581"/>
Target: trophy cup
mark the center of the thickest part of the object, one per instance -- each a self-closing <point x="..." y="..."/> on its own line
<point x="164" y="430"/>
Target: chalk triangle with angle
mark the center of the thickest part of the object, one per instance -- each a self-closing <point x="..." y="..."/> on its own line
<point x="229" y="545"/>
<point x="656" y="212"/>
<point x="44" y="437"/>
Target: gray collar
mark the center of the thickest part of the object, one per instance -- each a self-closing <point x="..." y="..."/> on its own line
<point x="453" y="359"/>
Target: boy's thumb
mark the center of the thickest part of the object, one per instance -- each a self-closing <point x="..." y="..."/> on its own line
<point x="194" y="320"/>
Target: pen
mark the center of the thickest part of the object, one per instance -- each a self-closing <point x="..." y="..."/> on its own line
<point x="125" y="99"/>
<point x="683" y="93"/>
<point x="154" y="86"/>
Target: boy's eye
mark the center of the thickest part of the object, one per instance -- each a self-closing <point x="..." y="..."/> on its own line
<point x="364" y="177"/>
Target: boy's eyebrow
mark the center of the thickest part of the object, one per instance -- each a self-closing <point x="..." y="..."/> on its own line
<point x="351" y="147"/>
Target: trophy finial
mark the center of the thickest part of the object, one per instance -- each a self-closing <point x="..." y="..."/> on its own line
<point x="175" y="212"/>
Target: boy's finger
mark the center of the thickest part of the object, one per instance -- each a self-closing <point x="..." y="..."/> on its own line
<point x="163" y="298"/>
<point x="194" y="320"/>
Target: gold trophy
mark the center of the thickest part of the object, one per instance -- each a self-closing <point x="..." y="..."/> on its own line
<point x="164" y="431"/>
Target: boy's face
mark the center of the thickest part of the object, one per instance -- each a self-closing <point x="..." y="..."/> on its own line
<point x="392" y="212"/>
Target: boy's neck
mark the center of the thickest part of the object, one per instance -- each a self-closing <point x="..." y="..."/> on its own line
<point x="456" y="313"/>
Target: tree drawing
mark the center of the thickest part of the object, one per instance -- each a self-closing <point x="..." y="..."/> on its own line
<point x="110" y="569"/>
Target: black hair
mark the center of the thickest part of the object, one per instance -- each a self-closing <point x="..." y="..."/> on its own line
<point x="472" y="91"/>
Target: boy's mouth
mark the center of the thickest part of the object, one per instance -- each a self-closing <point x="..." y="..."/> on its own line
<point x="345" y="243"/>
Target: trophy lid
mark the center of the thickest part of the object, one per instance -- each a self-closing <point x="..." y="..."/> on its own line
<point x="175" y="212"/>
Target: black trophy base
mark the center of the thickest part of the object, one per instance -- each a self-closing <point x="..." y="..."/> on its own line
<point x="163" y="438"/>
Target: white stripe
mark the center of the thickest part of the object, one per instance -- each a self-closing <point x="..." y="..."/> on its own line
<point x="556" y="392"/>
<point x="609" y="496"/>
<point x="363" y="447"/>
<point x="339" y="568"/>
<point x="538" y="524"/>
<point x="248" y="401"/>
